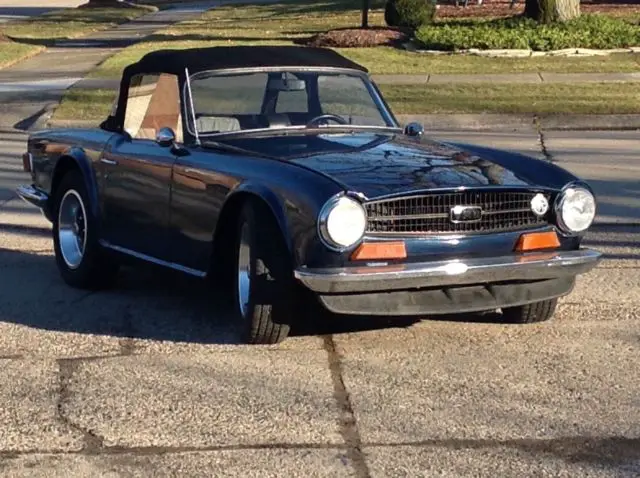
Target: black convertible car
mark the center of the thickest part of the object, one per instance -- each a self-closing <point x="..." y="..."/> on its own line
<point x="278" y="169"/>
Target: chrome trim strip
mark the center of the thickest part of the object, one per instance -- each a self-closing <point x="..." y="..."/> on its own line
<point x="444" y="215"/>
<point x="529" y="266"/>
<point x="153" y="260"/>
<point x="33" y="195"/>
<point x="516" y="188"/>
<point x="187" y="87"/>
<point x="112" y="162"/>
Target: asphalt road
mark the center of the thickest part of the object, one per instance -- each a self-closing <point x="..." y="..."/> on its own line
<point x="144" y="380"/>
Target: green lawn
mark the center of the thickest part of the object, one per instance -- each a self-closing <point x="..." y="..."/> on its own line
<point x="32" y="35"/>
<point x="292" y="20"/>
<point x="561" y="98"/>
<point x="11" y="52"/>
<point x="588" y="98"/>
<point x="85" y="105"/>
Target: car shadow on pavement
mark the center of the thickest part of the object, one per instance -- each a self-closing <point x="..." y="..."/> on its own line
<point x="149" y="303"/>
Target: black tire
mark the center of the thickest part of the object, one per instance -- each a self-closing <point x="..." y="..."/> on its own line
<point x="267" y="316"/>
<point x="96" y="269"/>
<point x="530" y="313"/>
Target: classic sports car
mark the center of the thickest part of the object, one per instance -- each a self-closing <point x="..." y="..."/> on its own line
<point x="278" y="170"/>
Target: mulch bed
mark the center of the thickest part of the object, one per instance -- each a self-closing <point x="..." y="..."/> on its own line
<point x="358" y="37"/>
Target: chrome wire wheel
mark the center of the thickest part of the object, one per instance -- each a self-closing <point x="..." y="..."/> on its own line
<point x="244" y="269"/>
<point x="72" y="228"/>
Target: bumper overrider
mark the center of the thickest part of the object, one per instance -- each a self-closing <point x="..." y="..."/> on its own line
<point x="451" y="286"/>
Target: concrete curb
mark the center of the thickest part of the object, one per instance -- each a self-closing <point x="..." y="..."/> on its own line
<point x="523" y="53"/>
<point x="475" y="122"/>
<point x="510" y="122"/>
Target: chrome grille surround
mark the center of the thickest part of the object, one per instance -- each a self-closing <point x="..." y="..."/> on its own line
<point x="436" y="213"/>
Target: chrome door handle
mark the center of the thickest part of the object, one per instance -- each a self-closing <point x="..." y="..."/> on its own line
<point x="112" y="162"/>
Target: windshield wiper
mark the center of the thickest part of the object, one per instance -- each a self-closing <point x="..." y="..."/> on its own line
<point x="287" y="130"/>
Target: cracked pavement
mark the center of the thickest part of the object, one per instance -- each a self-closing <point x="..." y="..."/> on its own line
<point x="145" y="380"/>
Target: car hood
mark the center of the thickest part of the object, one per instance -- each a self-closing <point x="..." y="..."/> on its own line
<point x="378" y="165"/>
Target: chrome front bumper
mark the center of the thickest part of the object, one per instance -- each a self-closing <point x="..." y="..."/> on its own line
<point x="516" y="267"/>
<point x="33" y="196"/>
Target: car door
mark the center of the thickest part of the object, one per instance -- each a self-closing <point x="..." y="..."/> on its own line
<point x="136" y="170"/>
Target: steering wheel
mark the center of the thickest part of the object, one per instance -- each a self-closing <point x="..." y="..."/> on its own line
<point x="336" y="118"/>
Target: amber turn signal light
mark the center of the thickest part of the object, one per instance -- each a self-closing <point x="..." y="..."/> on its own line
<point x="379" y="250"/>
<point x="537" y="240"/>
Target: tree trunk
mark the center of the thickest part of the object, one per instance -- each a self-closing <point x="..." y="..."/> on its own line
<point x="365" y="13"/>
<point x="551" y="11"/>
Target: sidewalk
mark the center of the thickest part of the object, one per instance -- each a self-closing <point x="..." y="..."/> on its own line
<point x="31" y="88"/>
<point x="541" y="77"/>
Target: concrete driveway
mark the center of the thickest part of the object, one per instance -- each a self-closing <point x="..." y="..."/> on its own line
<point x="144" y="380"/>
<point x="19" y="9"/>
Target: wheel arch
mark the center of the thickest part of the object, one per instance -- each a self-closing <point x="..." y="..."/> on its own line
<point x="234" y="202"/>
<point x="74" y="159"/>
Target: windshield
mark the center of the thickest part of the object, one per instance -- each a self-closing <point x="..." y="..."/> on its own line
<point x="226" y="103"/>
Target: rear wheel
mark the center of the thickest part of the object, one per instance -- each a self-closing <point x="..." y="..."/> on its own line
<point x="82" y="262"/>
<point x="530" y="313"/>
<point x="263" y="285"/>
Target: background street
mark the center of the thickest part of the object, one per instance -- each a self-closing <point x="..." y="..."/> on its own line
<point x="145" y="378"/>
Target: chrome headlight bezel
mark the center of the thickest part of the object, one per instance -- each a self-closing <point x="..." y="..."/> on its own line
<point x="329" y="208"/>
<point x="559" y="204"/>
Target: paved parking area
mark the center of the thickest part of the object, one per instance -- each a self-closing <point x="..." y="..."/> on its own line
<point x="145" y="380"/>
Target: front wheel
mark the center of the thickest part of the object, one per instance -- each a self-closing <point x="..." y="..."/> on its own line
<point x="82" y="262"/>
<point x="264" y="287"/>
<point x="530" y="313"/>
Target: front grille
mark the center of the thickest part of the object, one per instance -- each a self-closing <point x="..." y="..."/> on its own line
<point x="501" y="211"/>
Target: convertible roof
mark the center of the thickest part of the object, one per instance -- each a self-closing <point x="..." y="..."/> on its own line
<point x="227" y="57"/>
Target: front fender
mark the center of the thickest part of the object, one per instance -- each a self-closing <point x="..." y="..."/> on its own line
<point x="295" y="202"/>
<point x="76" y="157"/>
<point x="272" y="200"/>
<point x="540" y="172"/>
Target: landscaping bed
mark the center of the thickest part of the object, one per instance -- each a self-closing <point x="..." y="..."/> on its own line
<point x="593" y="31"/>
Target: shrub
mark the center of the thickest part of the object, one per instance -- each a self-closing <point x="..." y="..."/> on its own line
<point x="409" y="13"/>
<point x="588" y="31"/>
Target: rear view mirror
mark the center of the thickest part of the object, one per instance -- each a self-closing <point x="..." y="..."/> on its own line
<point x="286" y="84"/>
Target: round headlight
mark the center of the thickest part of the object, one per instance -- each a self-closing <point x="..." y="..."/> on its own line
<point x="576" y="210"/>
<point x="342" y="222"/>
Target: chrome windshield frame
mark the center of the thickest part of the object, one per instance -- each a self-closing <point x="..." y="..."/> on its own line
<point x="382" y="107"/>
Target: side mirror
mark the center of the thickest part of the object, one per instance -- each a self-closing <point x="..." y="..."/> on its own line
<point x="165" y="137"/>
<point x="414" y="129"/>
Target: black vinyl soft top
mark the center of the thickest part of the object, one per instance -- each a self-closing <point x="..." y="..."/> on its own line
<point x="225" y="58"/>
<point x="232" y="57"/>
